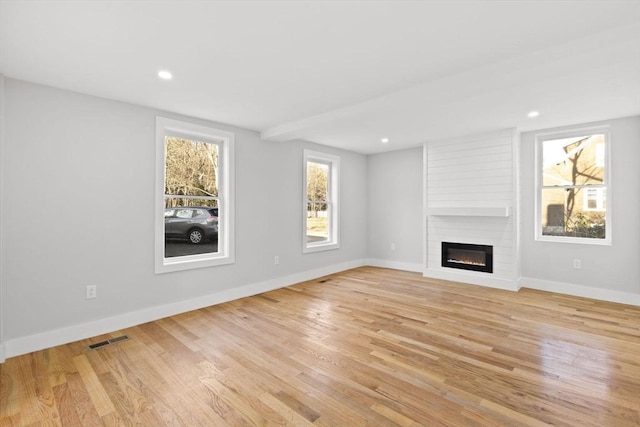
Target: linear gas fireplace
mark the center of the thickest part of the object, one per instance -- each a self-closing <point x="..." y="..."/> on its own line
<point x="467" y="256"/>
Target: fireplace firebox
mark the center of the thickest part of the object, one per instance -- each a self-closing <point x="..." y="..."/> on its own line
<point x="467" y="256"/>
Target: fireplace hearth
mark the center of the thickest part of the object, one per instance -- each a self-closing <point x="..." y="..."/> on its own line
<point x="467" y="256"/>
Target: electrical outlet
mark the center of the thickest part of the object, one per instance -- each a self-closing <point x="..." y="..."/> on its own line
<point x="393" y="246"/>
<point x="92" y="291"/>
<point x="276" y="260"/>
<point x="577" y="264"/>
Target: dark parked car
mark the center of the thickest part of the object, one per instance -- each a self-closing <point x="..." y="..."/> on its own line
<point x="195" y="224"/>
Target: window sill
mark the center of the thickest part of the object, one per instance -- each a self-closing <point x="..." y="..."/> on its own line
<point x="574" y="240"/>
<point x="320" y="247"/>
<point x="168" y="265"/>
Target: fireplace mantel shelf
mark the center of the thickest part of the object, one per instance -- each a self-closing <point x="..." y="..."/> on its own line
<point x="502" y="212"/>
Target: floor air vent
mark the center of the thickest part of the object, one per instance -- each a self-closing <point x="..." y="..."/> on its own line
<point x="107" y="342"/>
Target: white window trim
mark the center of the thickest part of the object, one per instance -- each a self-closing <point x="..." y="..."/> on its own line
<point x="334" y="202"/>
<point x="540" y="138"/>
<point x="226" y="191"/>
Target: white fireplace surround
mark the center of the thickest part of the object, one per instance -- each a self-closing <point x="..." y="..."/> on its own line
<point x="470" y="196"/>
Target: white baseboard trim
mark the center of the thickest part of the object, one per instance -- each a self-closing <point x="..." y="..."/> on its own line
<point x="490" y="282"/>
<point x="23" y="345"/>
<point x="581" y="291"/>
<point x="395" y="265"/>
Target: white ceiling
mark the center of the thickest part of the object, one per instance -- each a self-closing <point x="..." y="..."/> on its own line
<point x="340" y="73"/>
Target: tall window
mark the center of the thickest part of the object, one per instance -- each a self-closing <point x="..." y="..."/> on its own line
<point x="320" y="199"/>
<point x="573" y="170"/>
<point x="194" y="189"/>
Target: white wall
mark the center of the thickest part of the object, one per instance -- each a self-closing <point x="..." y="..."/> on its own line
<point x="78" y="208"/>
<point x="608" y="272"/>
<point x="395" y="209"/>
<point x="2" y="357"/>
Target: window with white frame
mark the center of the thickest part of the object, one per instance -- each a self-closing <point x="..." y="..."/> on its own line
<point x="194" y="196"/>
<point x="573" y="180"/>
<point x="320" y="201"/>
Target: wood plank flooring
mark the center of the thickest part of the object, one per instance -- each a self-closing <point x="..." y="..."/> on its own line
<point x="366" y="347"/>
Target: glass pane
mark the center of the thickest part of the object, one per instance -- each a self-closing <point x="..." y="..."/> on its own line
<point x="190" y="226"/>
<point x="317" y="181"/>
<point x="564" y="214"/>
<point x="317" y="222"/>
<point x="573" y="161"/>
<point x="191" y="167"/>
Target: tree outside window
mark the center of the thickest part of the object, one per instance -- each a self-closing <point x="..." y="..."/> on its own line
<point x="317" y="202"/>
<point x="191" y="169"/>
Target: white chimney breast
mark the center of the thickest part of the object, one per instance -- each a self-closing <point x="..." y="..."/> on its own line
<point x="471" y="197"/>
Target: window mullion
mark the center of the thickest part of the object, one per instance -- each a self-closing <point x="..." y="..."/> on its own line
<point x="559" y="187"/>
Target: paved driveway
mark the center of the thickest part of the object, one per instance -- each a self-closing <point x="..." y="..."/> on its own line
<point x="173" y="248"/>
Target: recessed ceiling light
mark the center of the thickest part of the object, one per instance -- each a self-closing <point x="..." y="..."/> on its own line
<point x="533" y="114"/>
<point x="165" y="75"/>
<point x="384" y="140"/>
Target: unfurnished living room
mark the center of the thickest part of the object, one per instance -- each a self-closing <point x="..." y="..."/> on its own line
<point x="320" y="213"/>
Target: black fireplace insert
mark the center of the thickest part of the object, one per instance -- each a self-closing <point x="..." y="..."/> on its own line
<point x="467" y="256"/>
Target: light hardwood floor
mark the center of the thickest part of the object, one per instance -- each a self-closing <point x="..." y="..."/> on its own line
<point x="366" y="347"/>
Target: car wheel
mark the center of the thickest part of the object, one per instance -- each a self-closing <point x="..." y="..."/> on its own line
<point x="196" y="236"/>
